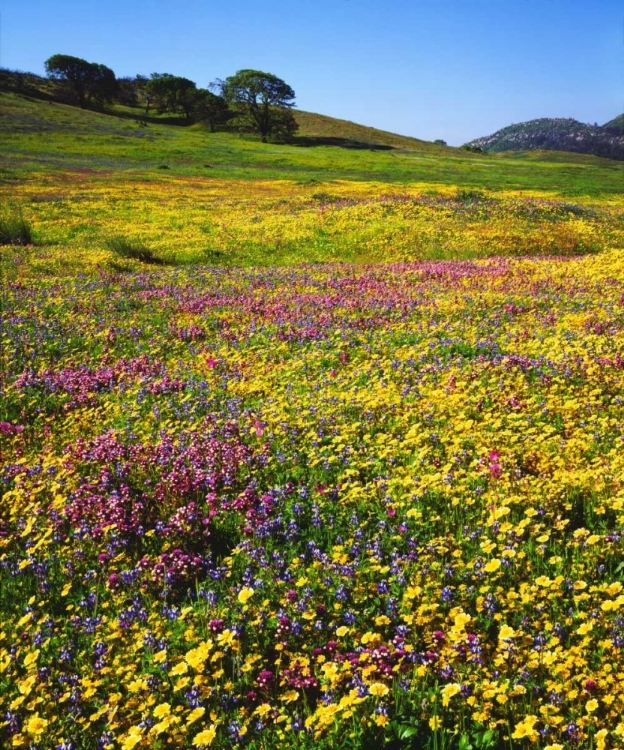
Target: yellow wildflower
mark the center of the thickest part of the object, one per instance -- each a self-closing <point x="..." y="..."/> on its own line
<point x="245" y="595"/>
<point x="205" y="738"/>
<point x="195" y="714"/>
<point x="526" y="728"/>
<point x="162" y="710"/>
<point x="134" y="736"/>
<point x="31" y="657"/>
<point x="181" y="668"/>
<point x="378" y="689"/>
<point x="36" y="725"/>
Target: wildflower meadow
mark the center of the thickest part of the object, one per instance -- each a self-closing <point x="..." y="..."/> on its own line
<point x="302" y="464"/>
<point x="320" y="506"/>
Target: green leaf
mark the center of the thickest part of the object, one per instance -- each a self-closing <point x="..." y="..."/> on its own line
<point x="406" y="731"/>
<point x="487" y="739"/>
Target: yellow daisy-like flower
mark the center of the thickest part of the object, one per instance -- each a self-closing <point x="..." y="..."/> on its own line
<point x="164" y="709"/>
<point x="196" y="657"/>
<point x="461" y="620"/>
<point x="36" y="725"/>
<point x="205" y="738"/>
<point x="492" y="566"/>
<point x="31" y="657"/>
<point x="134" y="736"/>
<point x="591" y="705"/>
<point x="448" y="691"/>
<point x="244" y="595"/>
<point x="181" y="668"/>
<point x="195" y="714"/>
<point x="290" y="696"/>
<point x="526" y="728"/>
<point x="435" y="723"/>
<point x="227" y="637"/>
<point x="27" y="685"/>
<point x="161" y="727"/>
<point x="505" y="633"/>
<point x="378" y="689"/>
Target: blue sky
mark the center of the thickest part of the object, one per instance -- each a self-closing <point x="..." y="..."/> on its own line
<point x="451" y="69"/>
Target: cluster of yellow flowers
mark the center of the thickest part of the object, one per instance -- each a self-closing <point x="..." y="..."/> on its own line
<point x="245" y="223"/>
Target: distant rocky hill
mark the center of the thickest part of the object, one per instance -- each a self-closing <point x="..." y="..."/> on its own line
<point x="558" y="134"/>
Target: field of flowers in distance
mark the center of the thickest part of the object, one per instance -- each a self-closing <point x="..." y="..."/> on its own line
<point x="341" y="466"/>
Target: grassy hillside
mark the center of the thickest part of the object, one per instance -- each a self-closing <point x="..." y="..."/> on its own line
<point x="86" y="180"/>
<point x="330" y="131"/>
<point x="326" y="150"/>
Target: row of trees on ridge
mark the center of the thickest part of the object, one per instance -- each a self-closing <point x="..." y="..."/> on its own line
<point x="249" y="101"/>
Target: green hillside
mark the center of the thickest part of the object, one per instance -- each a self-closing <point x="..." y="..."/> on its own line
<point x="117" y="189"/>
<point x="38" y="135"/>
<point x="332" y="131"/>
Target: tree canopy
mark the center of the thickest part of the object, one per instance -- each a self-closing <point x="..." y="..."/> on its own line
<point x="132" y="90"/>
<point x="88" y="81"/>
<point x="173" y="94"/>
<point x="250" y="100"/>
<point x="210" y="108"/>
<point x="263" y="101"/>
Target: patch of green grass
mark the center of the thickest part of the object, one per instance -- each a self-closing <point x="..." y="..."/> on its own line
<point x="129" y="249"/>
<point x="14" y="228"/>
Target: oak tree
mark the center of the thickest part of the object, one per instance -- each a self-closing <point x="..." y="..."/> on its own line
<point x="89" y="82"/>
<point x="263" y="102"/>
<point x="173" y="94"/>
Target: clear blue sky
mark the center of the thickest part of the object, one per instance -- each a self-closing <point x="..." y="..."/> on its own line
<point x="451" y="69"/>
